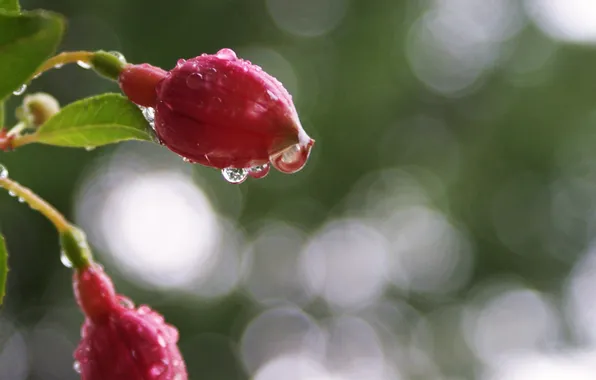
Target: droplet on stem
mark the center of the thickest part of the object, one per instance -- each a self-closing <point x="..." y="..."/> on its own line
<point x="83" y="65"/>
<point x="21" y="90"/>
<point x="76" y="366"/>
<point x="118" y="55"/>
<point x="3" y="171"/>
<point x="65" y="260"/>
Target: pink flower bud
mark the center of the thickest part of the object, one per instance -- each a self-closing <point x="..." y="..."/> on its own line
<point x="119" y="341"/>
<point x="222" y="111"/>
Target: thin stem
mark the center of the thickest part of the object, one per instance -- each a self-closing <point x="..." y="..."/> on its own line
<point x="17" y="129"/>
<point x="64" y="58"/>
<point x="37" y="203"/>
<point x="23" y="140"/>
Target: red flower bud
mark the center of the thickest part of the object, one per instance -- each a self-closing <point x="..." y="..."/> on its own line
<point x="222" y="111"/>
<point x="118" y="341"/>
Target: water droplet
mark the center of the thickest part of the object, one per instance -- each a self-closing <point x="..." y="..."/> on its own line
<point x="21" y="90"/>
<point x="181" y="62"/>
<point x="187" y="160"/>
<point x="12" y="193"/>
<point x="234" y="175"/>
<point x="226" y="54"/>
<point x="58" y="65"/>
<point x="21" y="200"/>
<point x="84" y="65"/>
<point x="118" y="55"/>
<point x="77" y="366"/>
<point x="144" y="309"/>
<point x="272" y="96"/>
<point x="259" y="171"/>
<point x="126" y="302"/>
<point x="293" y="158"/>
<point x="161" y="341"/>
<point x="195" y="81"/>
<point x="89" y="148"/>
<point x="149" y="114"/>
<point x="157" y="369"/>
<point x="65" y="260"/>
<point x="3" y="171"/>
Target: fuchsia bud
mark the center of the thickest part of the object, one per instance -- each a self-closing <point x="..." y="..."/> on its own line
<point x="221" y="111"/>
<point x="118" y="341"/>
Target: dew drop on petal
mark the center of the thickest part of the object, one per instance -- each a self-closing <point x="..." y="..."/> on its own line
<point x="161" y="341"/>
<point x="3" y="171"/>
<point x="21" y="90"/>
<point x="195" y="81"/>
<point x="259" y="171"/>
<point x="272" y="96"/>
<point x="126" y="302"/>
<point x="227" y="54"/>
<point x="65" y="260"/>
<point x="292" y="159"/>
<point x="76" y="366"/>
<point x="157" y="369"/>
<point x="144" y="309"/>
<point x="83" y="65"/>
<point x="234" y="175"/>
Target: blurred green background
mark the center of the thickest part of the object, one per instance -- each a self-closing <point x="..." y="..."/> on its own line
<point x="443" y="229"/>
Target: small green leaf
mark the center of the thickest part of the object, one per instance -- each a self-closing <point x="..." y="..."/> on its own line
<point x="95" y="121"/>
<point x="10" y="5"/>
<point x="3" y="268"/>
<point x="26" y="41"/>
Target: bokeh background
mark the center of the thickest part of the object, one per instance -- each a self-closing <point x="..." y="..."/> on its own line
<point x="443" y="229"/>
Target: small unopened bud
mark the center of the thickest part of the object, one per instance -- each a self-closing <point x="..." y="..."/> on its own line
<point x="38" y="108"/>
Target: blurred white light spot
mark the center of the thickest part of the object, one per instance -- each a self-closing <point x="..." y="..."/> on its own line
<point x="152" y="221"/>
<point x="580" y="296"/>
<point x="294" y="367"/>
<point x="307" y="18"/>
<point x="13" y="354"/>
<point x="456" y="41"/>
<point x="514" y="321"/>
<point x="430" y="254"/>
<point x="567" y="20"/>
<point x="354" y="350"/>
<point x="526" y="366"/>
<point x="284" y="330"/>
<point x="274" y="265"/>
<point x="347" y="264"/>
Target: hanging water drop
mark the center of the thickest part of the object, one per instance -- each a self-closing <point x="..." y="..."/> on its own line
<point x="83" y="65"/>
<point x="21" y="200"/>
<point x="89" y="148"/>
<point x="161" y="341"/>
<point x="21" y="90"/>
<point x="126" y="302"/>
<point x="77" y="366"/>
<point x="3" y="172"/>
<point x="118" y="55"/>
<point x="12" y="193"/>
<point x="58" y="65"/>
<point x="65" y="260"/>
<point x="259" y="171"/>
<point x="234" y="175"/>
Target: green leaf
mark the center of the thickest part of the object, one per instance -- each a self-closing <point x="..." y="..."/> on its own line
<point x="3" y="268"/>
<point x="26" y="41"/>
<point x="10" y="5"/>
<point x="95" y="121"/>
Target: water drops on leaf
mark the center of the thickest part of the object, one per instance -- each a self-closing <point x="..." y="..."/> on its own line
<point x="149" y="114"/>
<point x="21" y="90"/>
<point x="234" y="175"/>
